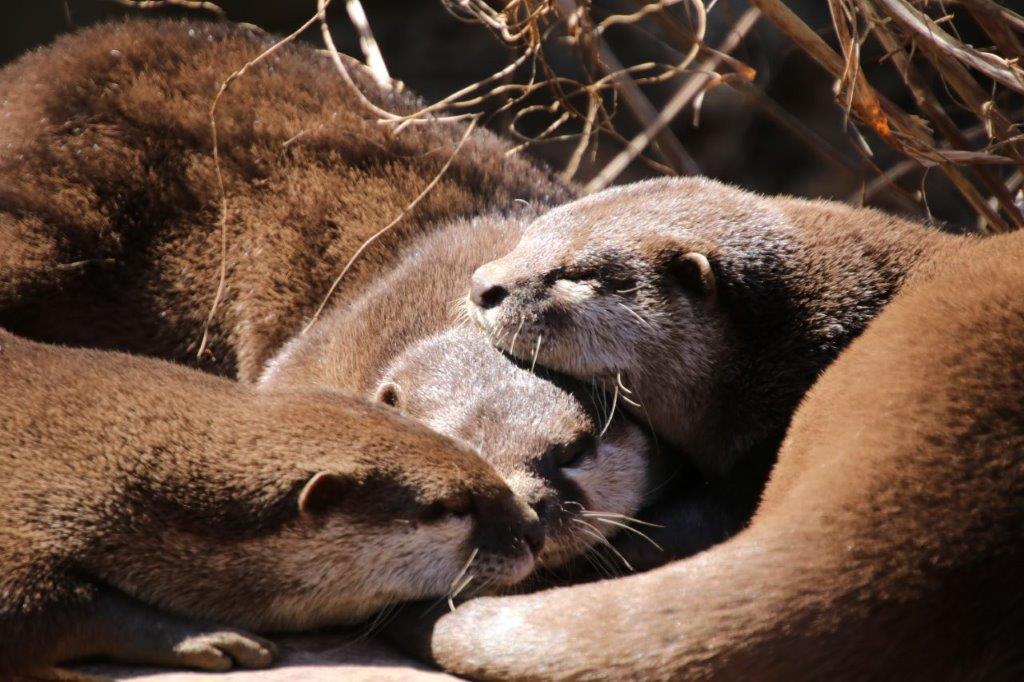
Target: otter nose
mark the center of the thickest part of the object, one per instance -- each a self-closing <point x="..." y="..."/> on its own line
<point x="533" y="534"/>
<point x="508" y="525"/>
<point x="485" y="291"/>
<point x="545" y="507"/>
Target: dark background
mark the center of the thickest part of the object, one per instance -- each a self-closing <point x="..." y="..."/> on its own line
<point x="435" y="54"/>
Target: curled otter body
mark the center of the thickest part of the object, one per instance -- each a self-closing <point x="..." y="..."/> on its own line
<point x="109" y="238"/>
<point x="109" y="208"/>
<point x="142" y="502"/>
<point x="405" y="343"/>
<point x="888" y="543"/>
<point x="716" y="307"/>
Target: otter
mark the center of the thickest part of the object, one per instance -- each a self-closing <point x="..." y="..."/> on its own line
<point x="888" y="543"/>
<point x="109" y="234"/>
<point x="715" y="308"/>
<point x="405" y="343"/>
<point x="144" y="502"/>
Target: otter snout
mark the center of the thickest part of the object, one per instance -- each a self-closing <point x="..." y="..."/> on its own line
<point x="508" y="526"/>
<point x="488" y="288"/>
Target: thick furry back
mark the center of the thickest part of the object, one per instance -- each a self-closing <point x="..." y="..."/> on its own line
<point x="109" y="200"/>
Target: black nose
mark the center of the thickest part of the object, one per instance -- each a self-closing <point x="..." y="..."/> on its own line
<point x="533" y="534"/>
<point x="485" y="293"/>
<point x="545" y="507"/>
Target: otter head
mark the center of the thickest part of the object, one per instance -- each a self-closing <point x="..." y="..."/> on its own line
<point x="550" y="441"/>
<point x="412" y="515"/>
<point x="628" y="287"/>
<point x="615" y="282"/>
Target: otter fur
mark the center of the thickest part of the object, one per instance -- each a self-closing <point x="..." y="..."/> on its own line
<point x="143" y="502"/>
<point x="109" y="201"/>
<point x="406" y="343"/>
<point x="888" y="544"/>
<point x="110" y="215"/>
<point x="716" y="308"/>
<point x="109" y="238"/>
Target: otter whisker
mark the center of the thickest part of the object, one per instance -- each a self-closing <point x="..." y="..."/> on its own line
<point x="536" y="352"/>
<point x="600" y="563"/>
<point x="637" y="316"/>
<point x="638" y="287"/>
<point x="459" y="311"/>
<point x="618" y="380"/>
<point x="465" y="568"/>
<point x="378" y="622"/>
<point x="593" y="531"/>
<point x="611" y="415"/>
<point x="590" y="513"/>
<point x="632" y="530"/>
<point x="632" y="402"/>
<point x="455" y="593"/>
<point x="515" y="337"/>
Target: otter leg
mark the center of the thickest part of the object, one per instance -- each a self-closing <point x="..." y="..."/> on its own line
<point x="124" y="630"/>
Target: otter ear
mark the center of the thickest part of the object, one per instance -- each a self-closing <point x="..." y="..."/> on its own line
<point x="389" y="393"/>
<point x="693" y="271"/>
<point x="321" y="492"/>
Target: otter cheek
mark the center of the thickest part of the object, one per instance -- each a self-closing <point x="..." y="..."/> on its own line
<point x="568" y="293"/>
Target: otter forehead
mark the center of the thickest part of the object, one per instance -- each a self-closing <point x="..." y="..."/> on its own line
<point x="458" y="383"/>
<point x="631" y="219"/>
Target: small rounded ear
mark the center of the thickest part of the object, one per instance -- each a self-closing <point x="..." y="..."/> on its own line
<point x="693" y="270"/>
<point x="389" y="393"/>
<point x="321" y="492"/>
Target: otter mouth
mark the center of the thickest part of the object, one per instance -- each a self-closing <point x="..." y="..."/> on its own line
<point x="548" y="338"/>
<point x="532" y="339"/>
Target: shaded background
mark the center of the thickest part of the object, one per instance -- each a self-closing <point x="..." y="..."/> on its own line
<point x="436" y="54"/>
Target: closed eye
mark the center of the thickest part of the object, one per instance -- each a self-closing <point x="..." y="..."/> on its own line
<point x="572" y="455"/>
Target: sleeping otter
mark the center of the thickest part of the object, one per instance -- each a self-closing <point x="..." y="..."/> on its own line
<point x="557" y="445"/>
<point x="142" y="503"/>
<point x="716" y="308"/>
<point x="888" y="544"/>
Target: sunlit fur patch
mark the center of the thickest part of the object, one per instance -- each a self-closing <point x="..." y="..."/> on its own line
<point x="574" y="328"/>
<point x="336" y="572"/>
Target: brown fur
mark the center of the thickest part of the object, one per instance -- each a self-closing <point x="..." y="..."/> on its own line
<point x="108" y="238"/>
<point x="718" y="360"/>
<point x="109" y="205"/>
<point x="132" y="479"/>
<point x="888" y="545"/>
<point x="403" y="341"/>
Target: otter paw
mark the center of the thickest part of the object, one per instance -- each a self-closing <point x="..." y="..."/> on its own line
<point x="224" y="649"/>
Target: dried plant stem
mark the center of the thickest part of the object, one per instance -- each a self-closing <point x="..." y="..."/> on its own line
<point x="222" y="221"/>
<point x="694" y="86"/>
<point x="185" y="4"/>
<point x="367" y="42"/>
<point x="928" y="103"/>
<point x="998" y="69"/>
<point x="666" y="144"/>
<point x="402" y="214"/>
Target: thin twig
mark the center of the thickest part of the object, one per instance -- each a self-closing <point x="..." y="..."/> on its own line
<point x="367" y="43"/>
<point x="404" y="212"/>
<point x="222" y="221"/>
<point x="675" y="105"/>
<point x="185" y="4"/>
